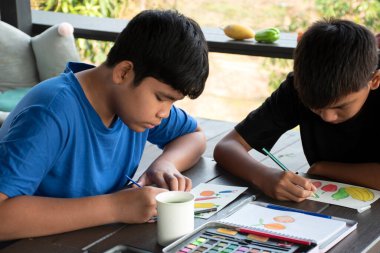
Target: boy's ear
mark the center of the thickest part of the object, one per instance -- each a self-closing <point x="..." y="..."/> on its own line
<point x="375" y="82"/>
<point x="123" y="71"/>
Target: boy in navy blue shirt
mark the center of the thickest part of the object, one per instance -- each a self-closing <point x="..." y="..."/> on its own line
<point x="68" y="148"/>
<point x="333" y="96"/>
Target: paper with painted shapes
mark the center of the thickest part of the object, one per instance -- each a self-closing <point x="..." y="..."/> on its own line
<point x="286" y="223"/>
<point x="214" y="196"/>
<point x="347" y="195"/>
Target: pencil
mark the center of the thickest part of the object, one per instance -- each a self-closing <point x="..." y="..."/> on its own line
<point x="206" y="210"/>
<point x="274" y="236"/>
<point x="133" y="181"/>
<point x="282" y="166"/>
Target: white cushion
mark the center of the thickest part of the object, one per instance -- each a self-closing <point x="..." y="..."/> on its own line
<point x="53" y="49"/>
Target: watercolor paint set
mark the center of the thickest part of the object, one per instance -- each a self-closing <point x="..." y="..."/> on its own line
<point x="258" y="227"/>
<point x="221" y="238"/>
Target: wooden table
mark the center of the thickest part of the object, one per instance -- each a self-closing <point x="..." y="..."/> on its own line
<point x="99" y="239"/>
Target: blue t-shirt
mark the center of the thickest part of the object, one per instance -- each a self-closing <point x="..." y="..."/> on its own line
<point x="55" y="144"/>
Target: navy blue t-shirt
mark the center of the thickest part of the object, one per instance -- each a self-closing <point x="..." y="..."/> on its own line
<point x="55" y="144"/>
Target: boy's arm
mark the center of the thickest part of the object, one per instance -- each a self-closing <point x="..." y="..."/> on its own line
<point x="363" y="174"/>
<point x="29" y="216"/>
<point x="231" y="153"/>
<point x="177" y="156"/>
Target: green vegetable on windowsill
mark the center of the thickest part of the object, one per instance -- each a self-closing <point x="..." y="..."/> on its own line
<point x="268" y="35"/>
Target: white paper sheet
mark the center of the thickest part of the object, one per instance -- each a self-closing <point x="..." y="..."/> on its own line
<point x="286" y="223"/>
<point x="214" y="195"/>
<point x="340" y="194"/>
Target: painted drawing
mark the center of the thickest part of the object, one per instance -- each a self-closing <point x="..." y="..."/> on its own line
<point x="279" y="224"/>
<point x="214" y="196"/>
<point x="285" y="223"/>
<point x="351" y="196"/>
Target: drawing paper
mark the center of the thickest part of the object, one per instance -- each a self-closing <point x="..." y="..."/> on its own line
<point x="286" y="223"/>
<point x="340" y="194"/>
<point x="214" y="195"/>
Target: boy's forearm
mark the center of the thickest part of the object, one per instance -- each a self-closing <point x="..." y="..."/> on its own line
<point x="236" y="160"/>
<point x="184" y="151"/>
<point x="363" y="174"/>
<point x="29" y="216"/>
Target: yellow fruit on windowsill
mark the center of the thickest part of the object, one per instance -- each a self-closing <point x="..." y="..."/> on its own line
<point x="239" y="32"/>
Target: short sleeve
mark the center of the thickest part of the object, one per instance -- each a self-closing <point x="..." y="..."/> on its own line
<point x="28" y="150"/>
<point x="279" y="113"/>
<point x="177" y="124"/>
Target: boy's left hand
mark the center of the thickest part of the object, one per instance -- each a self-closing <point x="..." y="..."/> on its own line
<point x="165" y="175"/>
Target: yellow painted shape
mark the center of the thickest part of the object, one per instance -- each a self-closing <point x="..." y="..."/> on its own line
<point x="359" y="193"/>
<point x="204" y="205"/>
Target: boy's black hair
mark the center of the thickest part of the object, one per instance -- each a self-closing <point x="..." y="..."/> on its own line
<point x="167" y="46"/>
<point x="333" y="59"/>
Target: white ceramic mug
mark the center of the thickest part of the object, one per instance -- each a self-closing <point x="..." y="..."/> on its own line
<point x="175" y="216"/>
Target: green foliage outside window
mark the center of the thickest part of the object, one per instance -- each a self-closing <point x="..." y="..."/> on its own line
<point x="91" y="51"/>
<point x="365" y="12"/>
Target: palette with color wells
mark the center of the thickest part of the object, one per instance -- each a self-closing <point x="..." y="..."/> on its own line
<point x="227" y="240"/>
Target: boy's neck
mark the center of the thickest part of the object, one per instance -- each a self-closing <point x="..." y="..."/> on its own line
<point x="94" y="83"/>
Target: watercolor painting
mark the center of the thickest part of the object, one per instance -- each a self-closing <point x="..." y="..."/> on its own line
<point x="214" y="196"/>
<point x="286" y="223"/>
<point x="340" y="194"/>
<point x="279" y="224"/>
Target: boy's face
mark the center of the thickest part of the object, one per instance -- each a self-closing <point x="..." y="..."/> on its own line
<point x="346" y="107"/>
<point x="144" y="106"/>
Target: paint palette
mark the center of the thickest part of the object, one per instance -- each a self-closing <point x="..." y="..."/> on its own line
<point x="227" y="240"/>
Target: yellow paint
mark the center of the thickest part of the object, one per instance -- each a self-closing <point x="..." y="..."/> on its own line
<point x="257" y="238"/>
<point x="226" y="231"/>
<point x="359" y="193"/>
<point x="204" y="205"/>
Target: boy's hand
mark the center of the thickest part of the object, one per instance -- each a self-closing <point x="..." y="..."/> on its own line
<point x="165" y="175"/>
<point x="287" y="186"/>
<point x="136" y="205"/>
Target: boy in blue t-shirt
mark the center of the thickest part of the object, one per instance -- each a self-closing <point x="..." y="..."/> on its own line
<point x="69" y="146"/>
<point x="333" y="96"/>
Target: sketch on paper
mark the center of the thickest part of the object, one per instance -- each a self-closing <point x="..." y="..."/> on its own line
<point x="214" y="195"/>
<point x="351" y="196"/>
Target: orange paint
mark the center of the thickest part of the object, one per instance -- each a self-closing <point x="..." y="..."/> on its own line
<point x="284" y="219"/>
<point x="207" y="193"/>
<point x="275" y="226"/>
<point x="257" y="238"/>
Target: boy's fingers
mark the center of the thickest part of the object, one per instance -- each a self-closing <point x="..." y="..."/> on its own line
<point x="160" y="181"/>
<point x="181" y="182"/>
<point x="313" y="188"/>
<point x="173" y="183"/>
<point x="143" y="181"/>
<point x="189" y="184"/>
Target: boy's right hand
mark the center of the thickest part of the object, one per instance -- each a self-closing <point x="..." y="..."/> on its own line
<point x="287" y="186"/>
<point x="136" y="205"/>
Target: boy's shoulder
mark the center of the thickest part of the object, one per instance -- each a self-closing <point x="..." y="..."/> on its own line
<point x="59" y="96"/>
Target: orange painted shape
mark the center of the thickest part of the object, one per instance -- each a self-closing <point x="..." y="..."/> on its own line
<point x="275" y="226"/>
<point x="207" y="193"/>
<point x="284" y="219"/>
